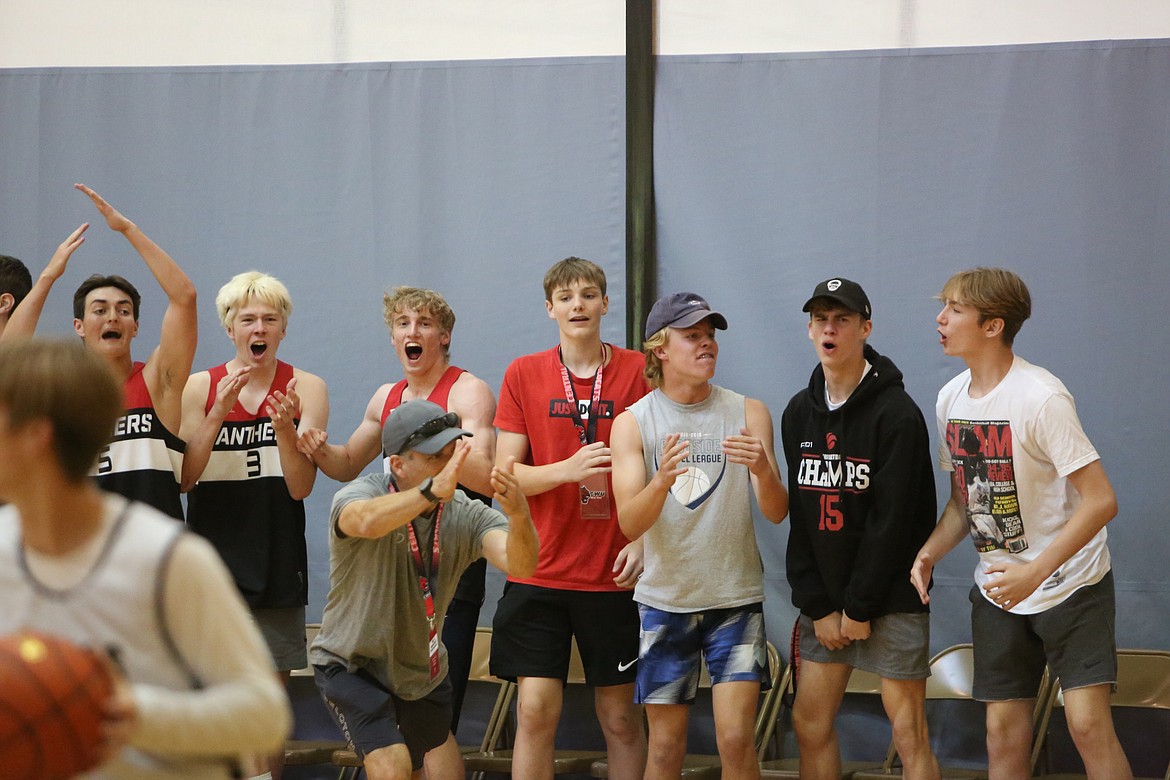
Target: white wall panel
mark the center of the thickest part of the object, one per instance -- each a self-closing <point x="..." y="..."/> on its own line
<point x="69" y="33"/>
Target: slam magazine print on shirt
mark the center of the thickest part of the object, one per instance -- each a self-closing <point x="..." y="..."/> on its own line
<point x="705" y="464"/>
<point x="982" y="456"/>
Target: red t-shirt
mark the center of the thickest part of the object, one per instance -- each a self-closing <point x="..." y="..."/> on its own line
<point x="575" y="553"/>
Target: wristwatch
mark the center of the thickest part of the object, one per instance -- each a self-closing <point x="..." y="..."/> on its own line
<point x="424" y="487"/>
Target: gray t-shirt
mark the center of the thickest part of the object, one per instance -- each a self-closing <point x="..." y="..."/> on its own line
<point x="701" y="553"/>
<point x="375" y="616"/>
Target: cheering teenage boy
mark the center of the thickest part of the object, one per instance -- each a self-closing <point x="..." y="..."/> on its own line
<point x="858" y="457"/>
<point x="1029" y="488"/>
<point x="687" y="459"/>
<point x="555" y="413"/>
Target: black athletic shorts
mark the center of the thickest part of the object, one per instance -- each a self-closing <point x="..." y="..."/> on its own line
<point x="534" y="626"/>
<point x="371" y="717"/>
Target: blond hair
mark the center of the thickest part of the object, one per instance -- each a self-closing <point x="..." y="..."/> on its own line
<point x="252" y="285"/>
<point x="403" y="298"/>
<point x="996" y="293"/>
<point x="653" y="369"/>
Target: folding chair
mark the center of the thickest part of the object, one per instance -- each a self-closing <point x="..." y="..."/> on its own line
<point x="952" y="672"/>
<point x="772" y="706"/>
<point x="1143" y="682"/>
<point x="698" y="766"/>
<point x="860" y="682"/>
<point x="495" y="753"/>
<point x="310" y="752"/>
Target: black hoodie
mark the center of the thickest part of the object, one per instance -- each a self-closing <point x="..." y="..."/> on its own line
<point x="862" y="495"/>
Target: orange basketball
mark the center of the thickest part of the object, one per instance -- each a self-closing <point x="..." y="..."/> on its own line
<point x="51" y="697"/>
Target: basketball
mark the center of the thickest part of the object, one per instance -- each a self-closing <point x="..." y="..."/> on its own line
<point x="51" y="697"/>
<point x="691" y="485"/>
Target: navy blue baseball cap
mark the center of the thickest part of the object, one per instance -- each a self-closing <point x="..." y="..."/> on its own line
<point x="681" y="310"/>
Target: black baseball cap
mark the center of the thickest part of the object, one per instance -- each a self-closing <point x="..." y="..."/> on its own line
<point x="422" y="426"/>
<point x="681" y="310"/>
<point x="848" y="294"/>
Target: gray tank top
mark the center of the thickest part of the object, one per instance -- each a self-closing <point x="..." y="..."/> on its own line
<point x="701" y="554"/>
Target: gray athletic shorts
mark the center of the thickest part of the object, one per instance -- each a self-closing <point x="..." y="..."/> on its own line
<point x="1076" y="638"/>
<point x="284" y="632"/>
<point x="898" y="647"/>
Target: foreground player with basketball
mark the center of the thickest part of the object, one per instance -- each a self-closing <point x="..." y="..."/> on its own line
<point x="555" y="412"/>
<point x="1029" y="488"/>
<point x="398" y="543"/>
<point x="109" y="573"/>
<point x="858" y="455"/>
<point x="686" y="460"/>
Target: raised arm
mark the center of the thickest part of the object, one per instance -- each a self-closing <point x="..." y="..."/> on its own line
<point x="199" y="427"/>
<point x="24" y="318"/>
<point x="474" y="402"/>
<point x="307" y="398"/>
<point x="639" y="501"/>
<point x="755" y="448"/>
<point x="515" y="551"/>
<point x="168" y="366"/>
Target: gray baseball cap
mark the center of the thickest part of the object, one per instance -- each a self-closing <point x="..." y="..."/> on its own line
<point x="421" y="426"/>
<point x="681" y="310"/>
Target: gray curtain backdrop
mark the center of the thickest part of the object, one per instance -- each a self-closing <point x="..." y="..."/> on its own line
<point x="894" y="168"/>
<point x="470" y="178"/>
<point x="898" y="168"/>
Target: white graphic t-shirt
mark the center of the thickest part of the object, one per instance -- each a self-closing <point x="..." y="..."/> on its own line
<point x="1011" y="452"/>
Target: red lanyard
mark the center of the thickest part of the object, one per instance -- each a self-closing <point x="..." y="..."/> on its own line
<point x="425" y="578"/>
<point x="589" y="436"/>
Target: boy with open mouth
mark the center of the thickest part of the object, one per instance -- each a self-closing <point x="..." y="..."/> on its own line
<point x="420" y="323"/>
<point x="858" y="453"/>
<point x="143" y="459"/>
<point x="245" y="478"/>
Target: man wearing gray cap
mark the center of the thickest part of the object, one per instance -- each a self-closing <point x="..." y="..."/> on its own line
<point x="398" y="545"/>
<point x="686" y="459"/>
<point x="862" y="484"/>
